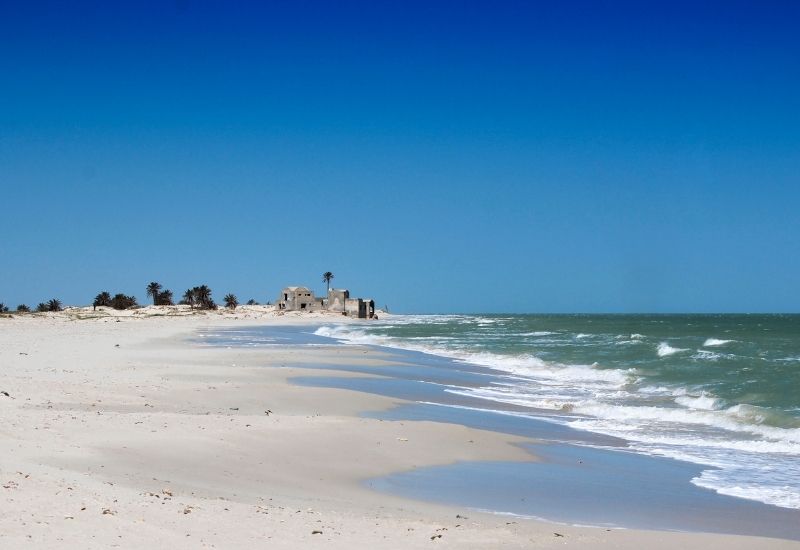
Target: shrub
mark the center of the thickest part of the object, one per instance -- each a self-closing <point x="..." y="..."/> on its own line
<point x="102" y="299"/>
<point x="121" y="301"/>
<point x="165" y="298"/>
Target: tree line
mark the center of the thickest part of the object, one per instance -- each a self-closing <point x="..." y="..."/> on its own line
<point x="198" y="297"/>
<point x="50" y="305"/>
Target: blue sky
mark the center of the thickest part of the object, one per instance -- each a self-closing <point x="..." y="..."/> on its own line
<point x="438" y="156"/>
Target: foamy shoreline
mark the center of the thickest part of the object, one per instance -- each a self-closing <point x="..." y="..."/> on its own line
<point x="119" y="431"/>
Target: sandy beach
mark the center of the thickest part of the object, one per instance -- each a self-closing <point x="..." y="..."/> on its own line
<point x="122" y="429"/>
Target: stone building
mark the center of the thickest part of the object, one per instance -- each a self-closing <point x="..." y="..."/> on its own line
<point x="297" y="298"/>
<point x="359" y="307"/>
<point x="300" y="298"/>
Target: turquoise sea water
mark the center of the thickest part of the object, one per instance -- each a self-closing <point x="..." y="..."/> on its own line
<point x="721" y="391"/>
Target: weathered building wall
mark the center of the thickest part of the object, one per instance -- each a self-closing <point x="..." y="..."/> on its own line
<point x="353" y="306"/>
<point x="297" y="298"/>
<point x="358" y="307"/>
<point x="336" y="299"/>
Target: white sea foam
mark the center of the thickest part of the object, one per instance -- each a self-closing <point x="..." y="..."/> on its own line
<point x="705" y="355"/>
<point x="551" y="403"/>
<point x="713" y="342"/>
<point x="738" y="419"/>
<point x="426" y="319"/>
<point x="526" y="364"/>
<point x="627" y="342"/>
<point x="737" y="483"/>
<point x="665" y="350"/>
<point x="659" y="390"/>
<point x="686" y="442"/>
<point x="749" y="470"/>
<point x="627" y="339"/>
<point x="702" y="402"/>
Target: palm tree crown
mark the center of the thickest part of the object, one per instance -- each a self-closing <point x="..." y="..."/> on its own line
<point x="189" y="298"/>
<point x="231" y="301"/>
<point x="152" y="290"/>
<point x="326" y="277"/>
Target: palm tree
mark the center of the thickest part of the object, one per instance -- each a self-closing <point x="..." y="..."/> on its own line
<point x="189" y="298"/>
<point x="3" y="308"/>
<point x="326" y="277"/>
<point x="202" y="295"/>
<point x="102" y="299"/>
<point x="230" y="301"/>
<point x="252" y="302"/>
<point x="42" y="307"/>
<point x="22" y="308"/>
<point x="54" y="305"/>
<point x="152" y="290"/>
<point x="165" y="298"/>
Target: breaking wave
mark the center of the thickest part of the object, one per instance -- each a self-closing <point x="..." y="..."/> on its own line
<point x="665" y="350"/>
<point x="713" y="342"/>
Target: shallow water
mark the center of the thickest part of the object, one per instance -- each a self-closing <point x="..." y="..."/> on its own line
<point x="718" y="390"/>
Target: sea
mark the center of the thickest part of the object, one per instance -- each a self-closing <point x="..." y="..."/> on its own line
<point x="719" y="391"/>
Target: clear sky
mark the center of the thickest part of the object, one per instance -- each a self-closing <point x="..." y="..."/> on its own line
<point x="437" y="156"/>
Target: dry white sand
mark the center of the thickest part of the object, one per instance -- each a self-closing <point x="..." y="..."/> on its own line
<point x="117" y="432"/>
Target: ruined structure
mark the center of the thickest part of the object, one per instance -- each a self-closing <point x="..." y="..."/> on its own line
<point x="300" y="298"/>
<point x="297" y="298"/>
